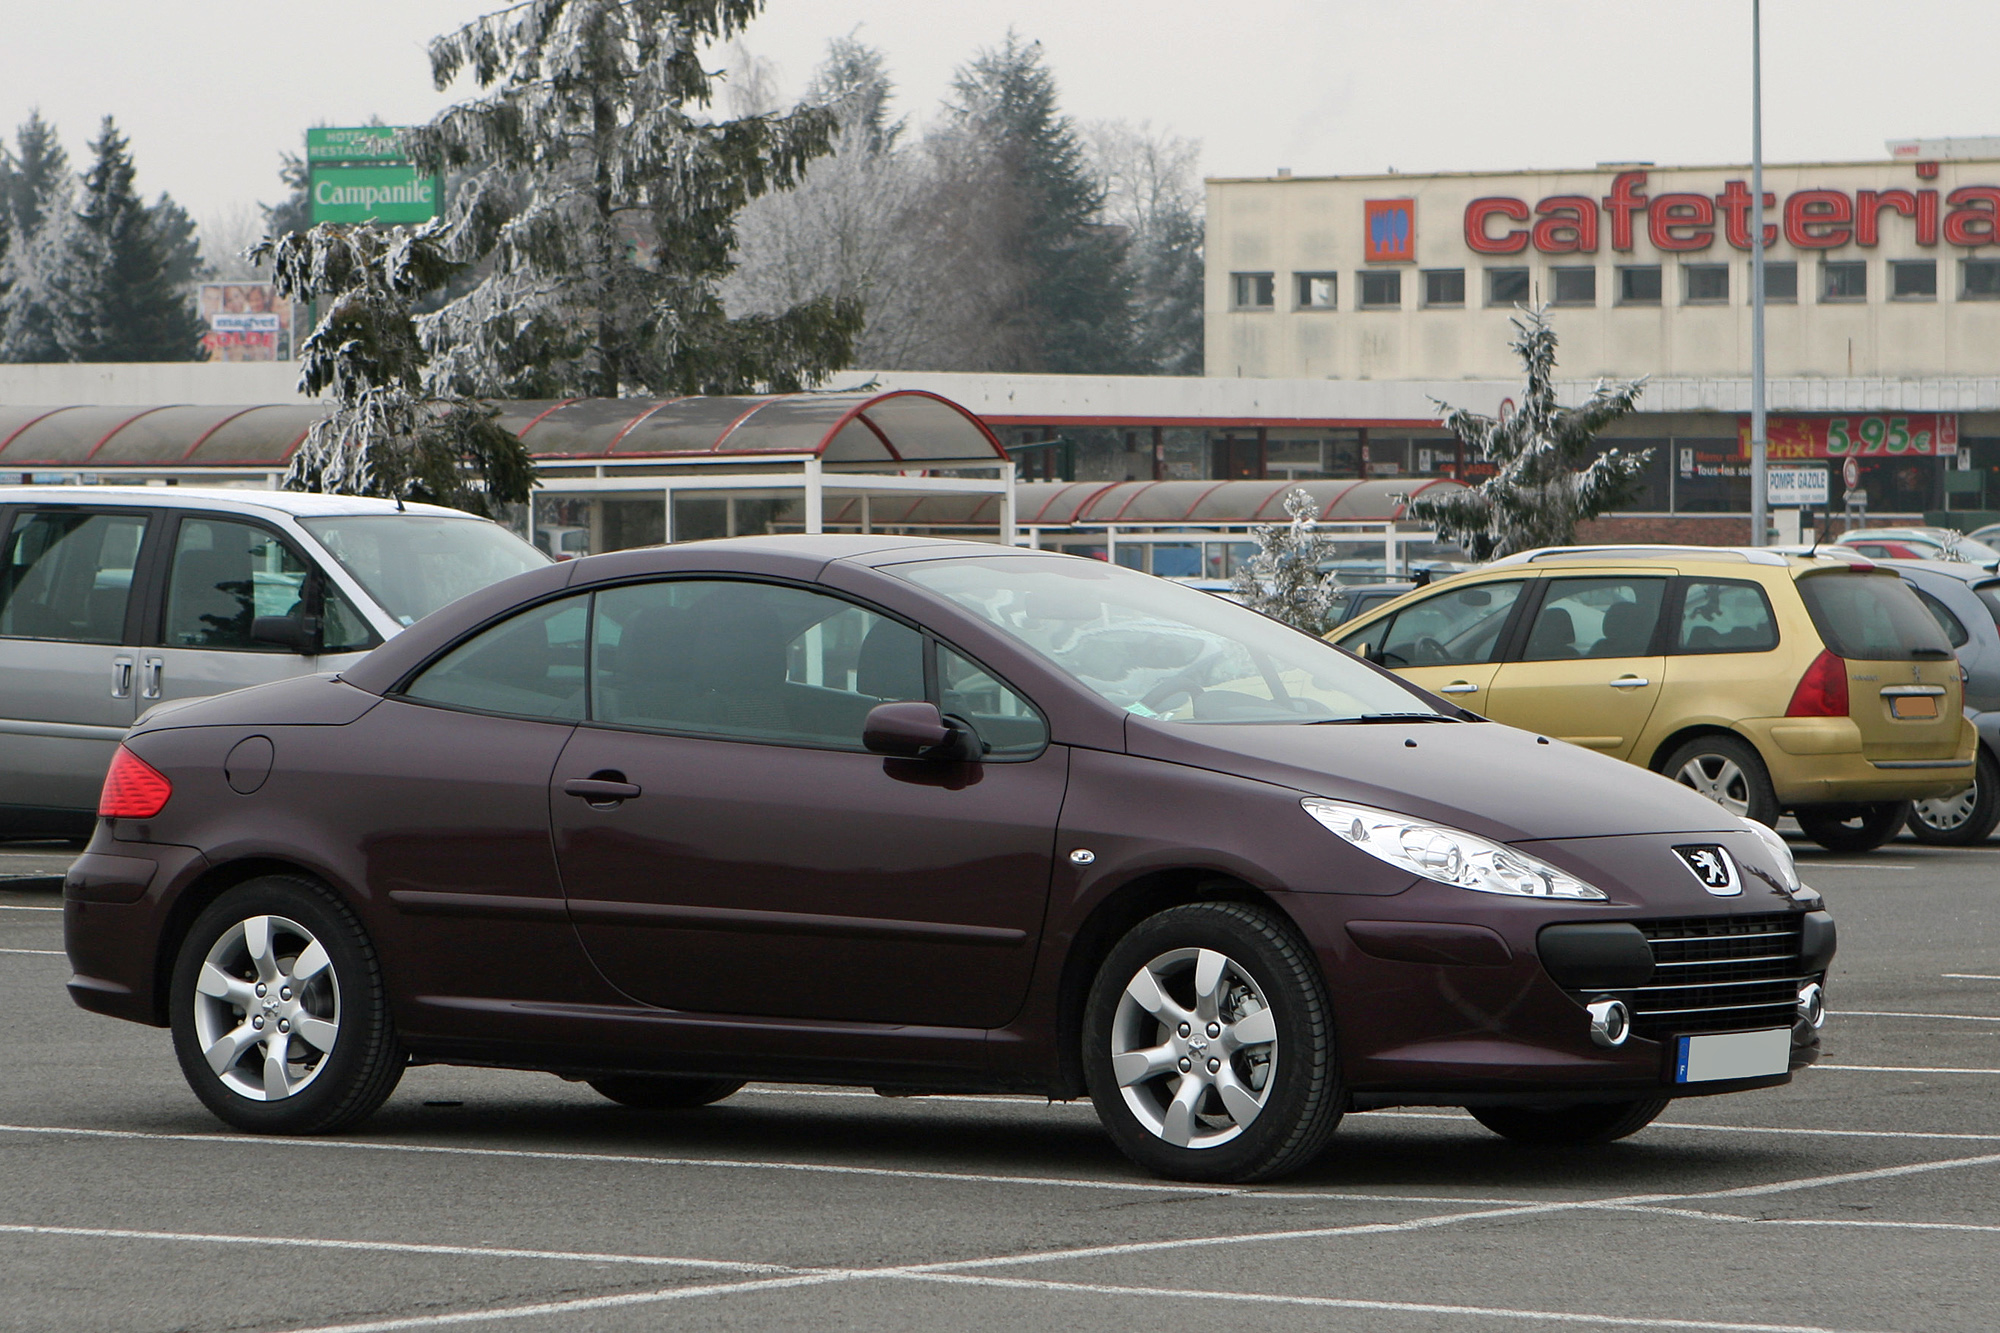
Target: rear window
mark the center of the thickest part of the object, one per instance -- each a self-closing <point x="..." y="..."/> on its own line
<point x="1872" y="617"/>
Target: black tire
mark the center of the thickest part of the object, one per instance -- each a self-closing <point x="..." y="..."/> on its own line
<point x="1560" y="1126"/>
<point x="664" y="1092"/>
<point x="1852" y="828"/>
<point x="1956" y="821"/>
<point x="1729" y="771"/>
<point x="1264" y="966"/>
<point x="336" y="1088"/>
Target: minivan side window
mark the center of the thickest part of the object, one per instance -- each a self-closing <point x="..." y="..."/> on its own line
<point x="1456" y="627"/>
<point x="68" y="575"/>
<point x="1724" y="616"/>
<point x="223" y="577"/>
<point x="1595" y="617"/>
<point x="529" y="665"/>
<point x="1954" y="628"/>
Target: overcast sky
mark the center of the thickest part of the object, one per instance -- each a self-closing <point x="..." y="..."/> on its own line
<point x="211" y="91"/>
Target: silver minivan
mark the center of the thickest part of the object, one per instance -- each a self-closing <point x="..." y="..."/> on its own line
<point x="116" y="598"/>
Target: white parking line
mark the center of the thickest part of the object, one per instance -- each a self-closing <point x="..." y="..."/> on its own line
<point x="1877" y="1013"/>
<point x="16" y="907"/>
<point x="579" y="1306"/>
<point x="1902" y="1069"/>
<point x="1970" y="976"/>
<point x="47" y="953"/>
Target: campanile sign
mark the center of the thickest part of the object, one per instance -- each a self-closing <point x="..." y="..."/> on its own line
<point x="359" y="174"/>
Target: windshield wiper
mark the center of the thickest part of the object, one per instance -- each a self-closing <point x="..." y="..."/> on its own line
<point x="1366" y="718"/>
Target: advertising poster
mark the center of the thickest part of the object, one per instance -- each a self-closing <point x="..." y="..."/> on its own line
<point x="247" y="321"/>
<point x="1857" y="435"/>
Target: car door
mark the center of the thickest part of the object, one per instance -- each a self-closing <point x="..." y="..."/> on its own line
<point x="224" y="571"/>
<point x="1449" y="642"/>
<point x="1592" y="667"/>
<point x="728" y="846"/>
<point x="68" y="617"/>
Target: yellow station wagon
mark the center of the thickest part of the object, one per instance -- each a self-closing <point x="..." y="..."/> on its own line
<point x="1814" y="685"/>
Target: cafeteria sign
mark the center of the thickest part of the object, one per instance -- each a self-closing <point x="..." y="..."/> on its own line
<point x="1857" y="435"/>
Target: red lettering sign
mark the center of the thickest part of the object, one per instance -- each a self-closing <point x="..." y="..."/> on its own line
<point x="1567" y="225"/>
<point x="1681" y="222"/>
<point x="1818" y="219"/>
<point x="1625" y="199"/>
<point x="1973" y="212"/>
<point x="1868" y="206"/>
<point x="1857" y="435"/>
<point x="1482" y="241"/>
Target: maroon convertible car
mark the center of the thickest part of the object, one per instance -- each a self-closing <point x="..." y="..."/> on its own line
<point x="929" y="817"/>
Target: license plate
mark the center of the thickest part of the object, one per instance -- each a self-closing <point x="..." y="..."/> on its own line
<point x="1720" y="1055"/>
<point x="1913" y="705"/>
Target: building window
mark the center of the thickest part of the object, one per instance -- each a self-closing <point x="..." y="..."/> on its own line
<point x="1979" y="280"/>
<point x="1506" y="286"/>
<point x="1639" y="284"/>
<point x="1444" y="286"/>
<point x="1705" y="284"/>
<point x="1381" y="288"/>
<point x="1843" y="280"/>
<point x="1781" y="281"/>
<point x="1574" y="286"/>
<point x="1316" y="291"/>
<point x="1913" y="279"/>
<point x="1252" y="291"/>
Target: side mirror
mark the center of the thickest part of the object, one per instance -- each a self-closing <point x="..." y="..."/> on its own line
<point x="916" y="730"/>
<point x="298" y="633"/>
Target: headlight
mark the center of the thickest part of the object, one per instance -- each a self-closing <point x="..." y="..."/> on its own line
<point x="1781" y="857"/>
<point x="1447" y="855"/>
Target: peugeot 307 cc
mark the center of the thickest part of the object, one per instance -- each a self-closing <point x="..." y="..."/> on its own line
<point x="933" y="817"/>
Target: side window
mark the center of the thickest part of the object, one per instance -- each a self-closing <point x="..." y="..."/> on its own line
<point x="224" y="576"/>
<point x="342" y="628"/>
<point x="68" y="575"/>
<point x="529" y="665"/>
<point x="1954" y="629"/>
<point x="1725" y="616"/>
<point x="748" y="661"/>
<point x="1007" y="724"/>
<point x="1456" y="627"/>
<point x="1601" y="617"/>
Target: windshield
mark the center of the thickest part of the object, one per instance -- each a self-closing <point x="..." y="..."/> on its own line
<point x="412" y="564"/>
<point x="1159" y="649"/>
<point x="1871" y="617"/>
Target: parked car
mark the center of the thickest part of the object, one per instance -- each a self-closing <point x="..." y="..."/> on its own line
<point x="926" y="816"/>
<point x="1965" y="602"/>
<point x="1919" y="544"/>
<point x="114" y="598"/>
<point x="1990" y="535"/>
<point x="1353" y="599"/>
<point x="1768" y="682"/>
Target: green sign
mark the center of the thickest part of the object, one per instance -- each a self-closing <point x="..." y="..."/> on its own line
<point x="389" y="194"/>
<point x="363" y="143"/>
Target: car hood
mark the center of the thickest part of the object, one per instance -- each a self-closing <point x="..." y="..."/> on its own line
<point x="1479" y="776"/>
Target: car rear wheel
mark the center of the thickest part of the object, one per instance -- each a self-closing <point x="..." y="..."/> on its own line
<point x="279" y="1013"/>
<point x="1852" y="828"/>
<point x="1593" y="1122"/>
<point x="1208" y="1045"/>
<point x="665" y="1092"/>
<point x="1963" y="820"/>
<point x="1728" y="771"/>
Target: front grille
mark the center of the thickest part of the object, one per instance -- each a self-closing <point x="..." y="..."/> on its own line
<point x="1720" y="974"/>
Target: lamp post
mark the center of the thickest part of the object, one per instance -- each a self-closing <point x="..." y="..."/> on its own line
<point x="1759" y="517"/>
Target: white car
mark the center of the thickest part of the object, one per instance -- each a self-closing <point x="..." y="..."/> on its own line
<point x="117" y="598"/>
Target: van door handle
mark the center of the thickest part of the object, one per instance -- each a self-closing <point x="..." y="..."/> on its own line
<point x="1459" y="687"/>
<point x="149" y="678"/>
<point x="1629" y="682"/>
<point x="598" y="790"/>
<point x="121" y="677"/>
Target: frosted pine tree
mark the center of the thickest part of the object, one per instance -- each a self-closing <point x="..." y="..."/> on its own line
<point x="598" y="203"/>
<point x="1547" y="480"/>
<point x="387" y="435"/>
<point x="1283" y="579"/>
<point x="127" y="303"/>
<point x="47" y="257"/>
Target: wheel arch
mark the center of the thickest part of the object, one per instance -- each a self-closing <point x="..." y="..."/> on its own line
<point x="195" y="898"/>
<point x="1657" y="761"/>
<point x="1123" y="908"/>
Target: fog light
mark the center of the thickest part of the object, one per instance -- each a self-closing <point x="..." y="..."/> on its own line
<point x="1611" y="1021"/>
<point x="1812" y="1004"/>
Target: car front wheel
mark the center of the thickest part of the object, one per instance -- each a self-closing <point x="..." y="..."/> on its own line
<point x="279" y="1013"/>
<point x="1963" y="820"/>
<point x="1852" y="828"/>
<point x="1209" y="1045"/>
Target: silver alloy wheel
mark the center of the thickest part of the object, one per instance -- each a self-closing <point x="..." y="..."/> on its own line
<point x="1194" y="1047"/>
<point x="267" y="1008"/>
<point x="1720" y="779"/>
<point x="1947" y="813"/>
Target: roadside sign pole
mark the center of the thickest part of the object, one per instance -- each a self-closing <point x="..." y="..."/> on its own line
<point x="1759" y="518"/>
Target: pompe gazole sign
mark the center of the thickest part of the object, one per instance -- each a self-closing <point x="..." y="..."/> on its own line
<point x="1817" y="219"/>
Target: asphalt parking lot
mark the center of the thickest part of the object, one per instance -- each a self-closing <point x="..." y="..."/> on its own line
<point x="1862" y="1197"/>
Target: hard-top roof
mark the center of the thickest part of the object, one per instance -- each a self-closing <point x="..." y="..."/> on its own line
<point x="1799" y="558"/>
<point x="299" y="504"/>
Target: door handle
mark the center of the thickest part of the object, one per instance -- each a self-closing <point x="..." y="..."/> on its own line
<point x="1629" y="682"/>
<point x="121" y="677"/>
<point x="1459" y="687"/>
<point x="600" y="791"/>
<point x="149" y="678"/>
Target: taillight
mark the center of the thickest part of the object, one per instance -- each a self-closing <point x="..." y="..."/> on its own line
<point x="1822" y="691"/>
<point x="133" y="789"/>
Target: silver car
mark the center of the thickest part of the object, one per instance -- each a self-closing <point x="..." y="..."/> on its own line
<point x="1965" y="601"/>
<point x="117" y="598"/>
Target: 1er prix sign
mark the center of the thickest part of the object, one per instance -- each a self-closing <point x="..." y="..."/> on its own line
<point x="1858" y="435"/>
<point x="359" y="174"/>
